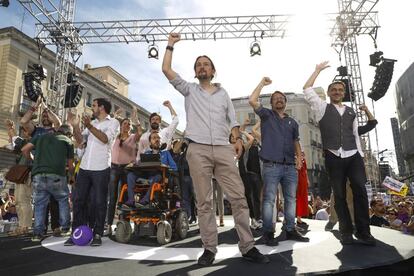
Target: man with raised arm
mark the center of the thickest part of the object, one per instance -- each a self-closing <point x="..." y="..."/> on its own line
<point x="280" y="144"/>
<point x="210" y="118"/>
<point x="166" y="134"/>
<point x="343" y="157"/>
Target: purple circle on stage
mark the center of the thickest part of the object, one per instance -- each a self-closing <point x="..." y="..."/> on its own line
<point x="82" y="235"/>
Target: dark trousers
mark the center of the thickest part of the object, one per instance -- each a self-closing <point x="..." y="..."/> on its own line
<point x="187" y="192"/>
<point x="117" y="174"/>
<point x="93" y="186"/>
<point x="339" y="170"/>
<point x="254" y="190"/>
<point x="53" y="208"/>
<point x="252" y="199"/>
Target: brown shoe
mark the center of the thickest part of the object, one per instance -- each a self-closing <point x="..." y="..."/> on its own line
<point x="57" y="232"/>
<point x="221" y="221"/>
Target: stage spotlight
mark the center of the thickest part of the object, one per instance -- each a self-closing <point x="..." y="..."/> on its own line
<point x="4" y="3"/>
<point x="343" y="71"/>
<point x="72" y="77"/>
<point x="153" y="51"/>
<point x="255" y="48"/>
<point x="375" y="58"/>
<point x="382" y="80"/>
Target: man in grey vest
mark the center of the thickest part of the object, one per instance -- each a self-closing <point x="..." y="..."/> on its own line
<point x="343" y="157"/>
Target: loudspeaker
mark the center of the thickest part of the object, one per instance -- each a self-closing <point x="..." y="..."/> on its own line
<point x="382" y="80"/>
<point x="73" y="95"/>
<point x="32" y="87"/>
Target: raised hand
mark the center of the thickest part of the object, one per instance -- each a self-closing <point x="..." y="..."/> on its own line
<point x="118" y="112"/>
<point x="86" y="120"/>
<point x="321" y="66"/>
<point x="266" y="81"/>
<point x="173" y="38"/>
<point x="166" y="103"/>
<point x="9" y="123"/>
<point x="72" y="118"/>
<point x="134" y="116"/>
<point x="363" y="108"/>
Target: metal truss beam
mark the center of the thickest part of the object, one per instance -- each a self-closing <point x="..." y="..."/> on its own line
<point x="350" y="24"/>
<point x="150" y="31"/>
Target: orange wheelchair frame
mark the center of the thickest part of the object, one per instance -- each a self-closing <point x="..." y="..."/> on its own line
<point x="162" y="217"/>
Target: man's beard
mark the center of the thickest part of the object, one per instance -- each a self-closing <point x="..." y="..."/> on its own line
<point x="155" y="126"/>
<point x="155" y="147"/>
<point x="203" y="76"/>
<point x="46" y="123"/>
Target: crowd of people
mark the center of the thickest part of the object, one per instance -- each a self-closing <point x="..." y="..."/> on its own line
<point x="217" y="156"/>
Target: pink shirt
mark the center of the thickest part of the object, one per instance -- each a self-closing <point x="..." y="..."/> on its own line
<point x="125" y="154"/>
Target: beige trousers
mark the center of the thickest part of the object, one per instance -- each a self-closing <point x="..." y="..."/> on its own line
<point x="23" y="194"/>
<point x="204" y="162"/>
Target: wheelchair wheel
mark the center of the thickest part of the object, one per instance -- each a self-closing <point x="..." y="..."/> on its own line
<point x="164" y="232"/>
<point x="181" y="225"/>
<point x="123" y="231"/>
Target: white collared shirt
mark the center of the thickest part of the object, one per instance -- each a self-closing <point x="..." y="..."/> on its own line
<point x="166" y="135"/>
<point x="97" y="156"/>
<point x="319" y="106"/>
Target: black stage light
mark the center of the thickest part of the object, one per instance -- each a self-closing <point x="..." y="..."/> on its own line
<point x="40" y="71"/>
<point x="343" y="71"/>
<point x="153" y="51"/>
<point x="255" y="48"/>
<point x="72" y="77"/>
<point x="4" y="3"/>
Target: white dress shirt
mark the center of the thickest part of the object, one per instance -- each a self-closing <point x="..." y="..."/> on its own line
<point x="166" y="135"/>
<point x="97" y="156"/>
<point x="319" y="106"/>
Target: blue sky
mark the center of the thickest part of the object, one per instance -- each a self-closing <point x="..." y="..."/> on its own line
<point x="287" y="61"/>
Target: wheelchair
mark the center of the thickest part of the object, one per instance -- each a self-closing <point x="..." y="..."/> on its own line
<point x="163" y="217"/>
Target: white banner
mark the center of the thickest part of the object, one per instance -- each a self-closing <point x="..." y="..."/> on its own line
<point x="392" y="184"/>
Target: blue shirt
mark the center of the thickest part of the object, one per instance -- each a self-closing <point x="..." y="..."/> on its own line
<point x="166" y="159"/>
<point x="278" y="136"/>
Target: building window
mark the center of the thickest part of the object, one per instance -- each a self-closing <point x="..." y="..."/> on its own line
<point x="88" y="101"/>
<point x="127" y="115"/>
<point x="114" y="80"/>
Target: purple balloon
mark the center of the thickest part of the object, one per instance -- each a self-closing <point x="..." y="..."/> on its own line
<point x="82" y="235"/>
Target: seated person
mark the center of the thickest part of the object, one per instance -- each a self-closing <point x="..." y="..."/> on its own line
<point x="8" y="209"/>
<point x="166" y="159"/>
